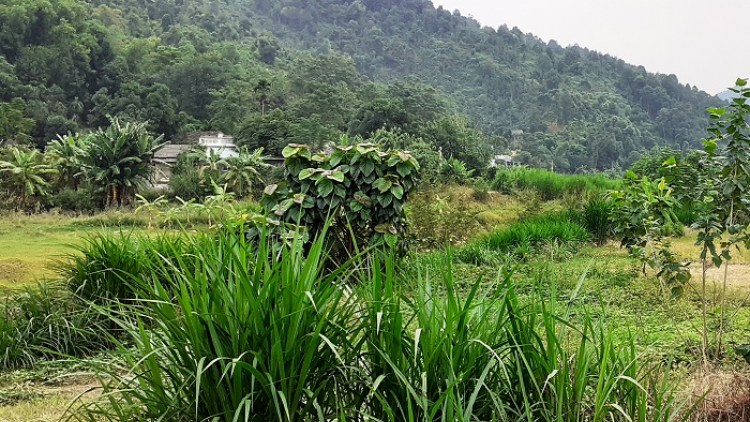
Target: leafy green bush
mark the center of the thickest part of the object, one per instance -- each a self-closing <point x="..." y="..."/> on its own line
<point x="643" y="220"/>
<point x="80" y="200"/>
<point x="687" y="214"/>
<point x="189" y="185"/>
<point x="684" y="166"/>
<point x="361" y="188"/>
<point x="454" y="171"/>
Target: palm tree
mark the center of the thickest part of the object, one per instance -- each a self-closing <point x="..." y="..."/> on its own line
<point x="121" y="159"/>
<point x="242" y="172"/>
<point x="67" y="153"/>
<point x="26" y="171"/>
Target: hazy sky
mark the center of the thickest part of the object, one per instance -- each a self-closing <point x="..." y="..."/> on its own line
<point x="703" y="42"/>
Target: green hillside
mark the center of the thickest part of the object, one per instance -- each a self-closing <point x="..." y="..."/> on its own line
<point x="273" y="71"/>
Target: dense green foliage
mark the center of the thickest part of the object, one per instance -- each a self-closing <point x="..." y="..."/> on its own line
<point x="235" y="332"/>
<point x="275" y="72"/>
<point x="536" y="231"/>
<point x="82" y="171"/>
<point x="361" y="189"/>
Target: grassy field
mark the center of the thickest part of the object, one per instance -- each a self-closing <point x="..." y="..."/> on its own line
<point x="603" y="282"/>
<point x="30" y="245"/>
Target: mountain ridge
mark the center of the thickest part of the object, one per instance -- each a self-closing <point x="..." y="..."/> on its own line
<point x="579" y="108"/>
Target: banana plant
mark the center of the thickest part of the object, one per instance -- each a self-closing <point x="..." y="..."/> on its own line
<point x="26" y="172"/>
<point x="152" y="208"/>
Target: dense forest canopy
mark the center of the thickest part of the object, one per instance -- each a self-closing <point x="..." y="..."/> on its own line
<point x="275" y="71"/>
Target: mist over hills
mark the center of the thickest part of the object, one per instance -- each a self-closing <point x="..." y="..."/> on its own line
<point x="325" y="67"/>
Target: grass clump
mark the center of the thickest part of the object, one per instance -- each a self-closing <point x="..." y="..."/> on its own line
<point x="596" y="217"/>
<point x="551" y="185"/>
<point x="536" y="231"/>
<point x="44" y="323"/>
<point x="100" y="271"/>
<point x="231" y="331"/>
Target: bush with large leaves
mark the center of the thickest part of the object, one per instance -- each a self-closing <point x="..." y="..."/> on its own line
<point x="361" y="188"/>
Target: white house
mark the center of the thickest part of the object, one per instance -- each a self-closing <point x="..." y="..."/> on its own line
<point x="221" y="144"/>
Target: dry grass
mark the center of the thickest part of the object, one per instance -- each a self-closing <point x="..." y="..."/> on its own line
<point x="45" y="404"/>
<point x="686" y="249"/>
<point x="727" y="396"/>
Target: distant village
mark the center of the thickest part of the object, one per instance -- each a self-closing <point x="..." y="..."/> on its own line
<point x="223" y="146"/>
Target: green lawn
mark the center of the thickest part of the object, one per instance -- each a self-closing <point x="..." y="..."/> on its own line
<point x="605" y="282"/>
<point x="30" y="245"/>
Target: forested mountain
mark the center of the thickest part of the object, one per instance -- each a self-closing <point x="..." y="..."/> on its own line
<point x="274" y="71"/>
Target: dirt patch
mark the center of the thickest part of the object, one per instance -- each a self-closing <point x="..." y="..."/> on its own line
<point x="13" y="271"/>
<point x="738" y="275"/>
<point x="39" y="403"/>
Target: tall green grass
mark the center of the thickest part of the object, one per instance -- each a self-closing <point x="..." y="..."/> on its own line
<point x="233" y="334"/>
<point x="229" y="331"/>
<point x="105" y="263"/>
<point x="551" y="185"/>
<point x="537" y="230"/>
<point x="44" y="323"/>
<point x="596" y="217"/>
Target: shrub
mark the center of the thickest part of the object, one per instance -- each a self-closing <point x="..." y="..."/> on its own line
<point x="189" y="185"/>
<point x="530" y="200"/>
<point x="435" y="223"/>
<point x="455" y="171"/>
<point x="362" y="189"/>
<point x="81" y="200"/>
<point x="481" y="189"/>
<point x="685" y="169"/>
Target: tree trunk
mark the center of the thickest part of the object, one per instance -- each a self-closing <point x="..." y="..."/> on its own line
<point x="115" y="197"/>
